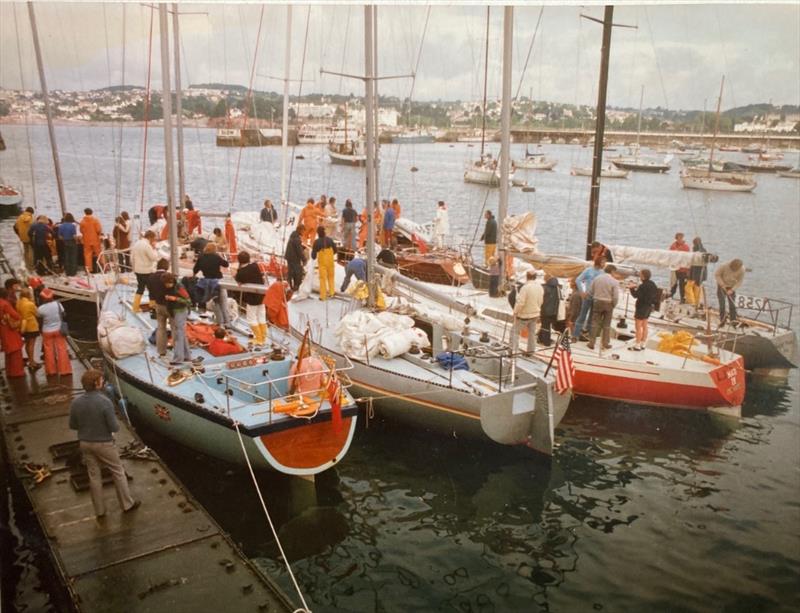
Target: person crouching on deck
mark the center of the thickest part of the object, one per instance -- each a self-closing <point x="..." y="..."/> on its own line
<point x="307" y="374"/>
<point x="325" y="248"/>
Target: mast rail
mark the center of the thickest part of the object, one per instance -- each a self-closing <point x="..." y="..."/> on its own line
<point x="776" y="312"/>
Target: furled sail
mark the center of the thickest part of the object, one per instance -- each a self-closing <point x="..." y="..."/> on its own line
<point x="663" y="258"/>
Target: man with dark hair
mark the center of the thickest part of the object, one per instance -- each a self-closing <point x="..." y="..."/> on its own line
<point x="323" y="252"/>
<point x="729" y="277"/>
<point x="92" y="415"/>
<point x="295" y="256"/>
<point x="349" y="219"/>
<point x="39" y="233"/>
<point x="268" y="213"/>
<point x="357" y="267"/>
<point x="157" y="293"/>
<point x="250" y="272"/>
<point x="489" y="237"/>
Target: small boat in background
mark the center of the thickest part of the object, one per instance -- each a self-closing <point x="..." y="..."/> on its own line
<point x="10" y="199"/>
<point x="607" y="172"/>
<point x="794" y="173"/>
<point x="350" y="153"/>
<point x="536" y="160"/>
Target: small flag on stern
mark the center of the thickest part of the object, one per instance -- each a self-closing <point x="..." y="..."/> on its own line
<point x="565" y="372"/>
<point x="334" y="392"/>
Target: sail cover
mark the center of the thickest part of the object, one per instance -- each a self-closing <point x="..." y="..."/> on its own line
<point x="662" y="258"/>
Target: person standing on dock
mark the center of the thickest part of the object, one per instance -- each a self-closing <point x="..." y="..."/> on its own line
<point x="679" y="275"/>
<point x="21" y="227"/>
<point x="39" y="233"/>
<point x="144" y="259"/>
<point x="10" y="337"/>
<point x="323" y="252"/>
<point x="489" y="237"/>
<point x="729" y="277"/>
<point x="92" y="415"/>
<point x="68" y="233"/>
<point x="54" y="345"/>
<point x="91" y="235"/>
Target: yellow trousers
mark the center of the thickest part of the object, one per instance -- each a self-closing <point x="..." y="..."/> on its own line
<point x="488" y="252"/>
<point x="325" y="265"/>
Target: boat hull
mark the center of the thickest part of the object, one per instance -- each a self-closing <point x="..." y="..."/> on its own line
<point x="306" y="449"/>
<point x="715" y="184"/>
<point x="639" y="167"/>
<point x="342" y="159"/>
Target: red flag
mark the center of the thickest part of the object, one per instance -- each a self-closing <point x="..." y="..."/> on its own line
<point x="333" y="390"/>
<point x="565" y="372"/>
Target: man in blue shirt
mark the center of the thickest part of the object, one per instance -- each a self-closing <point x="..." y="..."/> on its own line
<point x="357" y="267"/>
<point x="583" y="281"/>
<point x="92" y="415"/>
<point x="39" y="233"/>
<point x="388" y="225"/>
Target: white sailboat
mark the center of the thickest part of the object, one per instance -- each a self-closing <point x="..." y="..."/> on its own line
<point x="709" y="179"/>
<point x="394" y="353"/>
<point x="636" y="161"/>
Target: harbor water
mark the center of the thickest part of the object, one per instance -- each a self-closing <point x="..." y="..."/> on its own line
<point x="639" y="509"/>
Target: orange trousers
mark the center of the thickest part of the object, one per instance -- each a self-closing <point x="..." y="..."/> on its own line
<point x="56" y="357"/>
<point x="90" y="250"/>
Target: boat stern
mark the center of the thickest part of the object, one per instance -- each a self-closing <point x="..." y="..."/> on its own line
<point x="729" y="380"/>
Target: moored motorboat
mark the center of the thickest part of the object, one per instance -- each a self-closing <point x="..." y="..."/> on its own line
<point x="10" y="200"/>
<point x="607" y="172"/>
<point x="794" y="173"/>
<point x="350" y="153"/>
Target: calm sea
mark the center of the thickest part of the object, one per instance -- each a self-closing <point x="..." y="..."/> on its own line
<point x="639" y="509"/>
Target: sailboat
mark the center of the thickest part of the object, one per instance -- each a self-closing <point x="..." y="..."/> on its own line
<point x="349" y="152"/>
<point x="485" y="170"/>
<point x="411" y="360"/>
<point x="635" y="161"/>
<point x="535" y="160"/>
<point x="711" y="179"/>
<point x="240" y="407"/>
<point x="607" y="172"/>
<point x="10" y="199"/>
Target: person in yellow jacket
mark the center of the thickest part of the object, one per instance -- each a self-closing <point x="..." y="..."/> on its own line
<point x="323" y="252"/>
<point x="21" y="227"/>
<point x="29" y="327"/>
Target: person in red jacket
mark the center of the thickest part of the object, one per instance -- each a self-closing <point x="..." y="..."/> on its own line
<point x="92" y="236"/>
<point x="10" y="337"/>
<point x="679" y="275"/>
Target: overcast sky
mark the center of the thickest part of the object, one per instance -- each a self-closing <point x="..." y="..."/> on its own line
<point x="678" y="52"/>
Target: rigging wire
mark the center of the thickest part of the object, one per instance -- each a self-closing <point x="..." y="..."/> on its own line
<point x="117" y="195"/>
<point x="269" y="519"/>
<point x="658" y="64"/>
<point x="530" y="51"/>
<point x="247" y="104"/>
<point x="146" y="111"/>
<point x="121" y="131"/>
<point x="299" y="95"/>
<point x="27" y="115"/>
<point x="410" y="96"/>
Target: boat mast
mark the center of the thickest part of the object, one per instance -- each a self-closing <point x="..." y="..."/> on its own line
<point x="166" y="103"/>
<point x="376" y="100"/>
<point x="369" y="91"/>
<point x="716" y="126"/>
<point x="178" y="105"/>
<point x="46" y="95"/>
<point x="639" y="123"/>
<point x="485" y="80"/>
<point x="285" y="127"/>
<point x="505" y="128"/>
<point x="597" y="159"/>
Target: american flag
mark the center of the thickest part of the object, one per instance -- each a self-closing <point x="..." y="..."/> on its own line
<point x="565" y="372"/>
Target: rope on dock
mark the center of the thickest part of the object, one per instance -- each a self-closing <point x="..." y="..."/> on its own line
<point x="304" y="608"/>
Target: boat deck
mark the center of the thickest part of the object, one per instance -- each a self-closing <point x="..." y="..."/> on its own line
<point x="169" y="555"/>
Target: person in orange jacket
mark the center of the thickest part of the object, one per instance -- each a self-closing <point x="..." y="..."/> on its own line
<point x="309" y="220"/>
<point x="91" y="234"/>
<point x="194" y="223"/>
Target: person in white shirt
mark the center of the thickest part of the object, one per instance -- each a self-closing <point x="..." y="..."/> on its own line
<point x="441" y="224"/>
<point x="144" y="258"/>
<point x="527" y="308"/>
